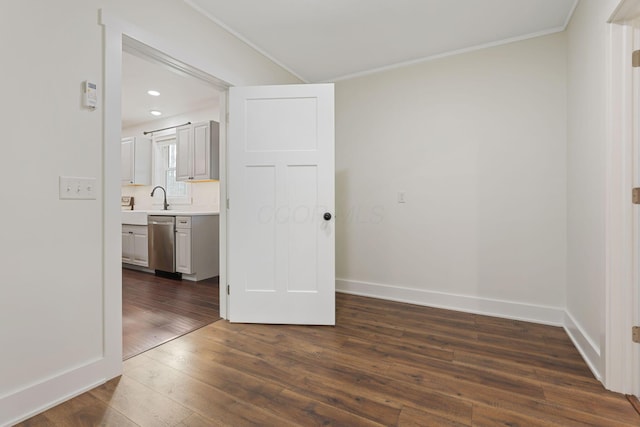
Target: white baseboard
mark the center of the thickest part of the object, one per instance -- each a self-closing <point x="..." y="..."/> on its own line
<point x="588" y="349"/>
<point x="25" y="403"/>
<point x="490" y="307"/>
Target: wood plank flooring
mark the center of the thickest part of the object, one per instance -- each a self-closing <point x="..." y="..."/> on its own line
<point x="384" y="363"/>
<point x="156" y="309"/>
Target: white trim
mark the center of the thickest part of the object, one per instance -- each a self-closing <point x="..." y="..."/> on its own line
<point x="386" y="67"/>
<point x="446" y="54"/>
<point x="620" y="359"/>
<point x="570" y="15"/>
<point x="626" y="11"/>
<point x="170" y="53"/>
<point x="223" y="280"/>
<point x="635" y="283"/>
<point x="466" y="303"/>
<point x="243" y="38"/>
<point x="587" y="348"/>
<point x="141" y="50"/>
<point x="112" y="223"/>
<point x="25" y="403"/>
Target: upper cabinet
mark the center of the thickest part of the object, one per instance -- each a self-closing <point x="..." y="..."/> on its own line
<point x="197" y="153"/>
<point x="135" y="158"/>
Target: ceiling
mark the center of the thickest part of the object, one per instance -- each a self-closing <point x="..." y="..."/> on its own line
<point x="327" y="40"/>
<point x="178" y="93"/>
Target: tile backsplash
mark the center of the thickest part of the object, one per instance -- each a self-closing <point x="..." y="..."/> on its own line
<point x="205" y="196"/>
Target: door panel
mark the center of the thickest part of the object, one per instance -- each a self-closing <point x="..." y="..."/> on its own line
<point x="281" y="182"/>
<point x="299" y="134"/>
<point x="201" y="147"/>
<point x="184" y="156"/>
<point x="259" y="240"/>
<point x="140" y="249"/>
<point x="302" y="246"/>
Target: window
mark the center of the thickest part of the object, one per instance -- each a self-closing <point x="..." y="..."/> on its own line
<point x="165" y="170"/>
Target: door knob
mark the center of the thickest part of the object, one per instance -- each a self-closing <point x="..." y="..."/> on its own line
<point x="327" y="216"/>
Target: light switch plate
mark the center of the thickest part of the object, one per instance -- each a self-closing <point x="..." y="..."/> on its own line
<point x="77" y="188"/>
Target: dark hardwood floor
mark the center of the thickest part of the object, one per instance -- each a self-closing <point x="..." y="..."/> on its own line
<point x="156" y="309"/>
<point x="384" y="363"/>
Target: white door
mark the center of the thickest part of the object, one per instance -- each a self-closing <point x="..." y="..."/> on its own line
<point x="281" y="250"/>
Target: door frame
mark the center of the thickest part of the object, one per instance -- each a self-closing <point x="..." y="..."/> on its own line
<point x="121" y="35"/>
<point x="621" y="357"/>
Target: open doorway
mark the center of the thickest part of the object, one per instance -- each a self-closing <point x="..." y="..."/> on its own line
<point x="158" y="98"/>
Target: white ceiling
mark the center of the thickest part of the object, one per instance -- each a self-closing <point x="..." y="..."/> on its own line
<point x="178" y="93"/>
<point x="325" y="40"/>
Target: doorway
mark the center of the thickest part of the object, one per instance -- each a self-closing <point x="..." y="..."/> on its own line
<point x="157" y="98"/>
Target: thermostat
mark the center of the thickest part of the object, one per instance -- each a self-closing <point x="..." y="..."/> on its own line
<point x="90" y="97"/>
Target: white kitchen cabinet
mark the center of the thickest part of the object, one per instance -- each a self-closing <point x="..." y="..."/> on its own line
<point x="197" y="246"/>
<point x="197" y="154"/>
<point x="183" y="250"/>
<point x="135" y="245"/>
<point x="135" y="158"/>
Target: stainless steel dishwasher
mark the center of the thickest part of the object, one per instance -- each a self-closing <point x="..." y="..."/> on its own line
<point x="162" y="241"/>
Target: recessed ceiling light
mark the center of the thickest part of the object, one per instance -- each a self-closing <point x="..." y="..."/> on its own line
<point x="155" y="113"/>
<point x="153" y="92"/>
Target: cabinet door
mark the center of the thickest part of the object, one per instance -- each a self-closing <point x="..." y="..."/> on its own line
<point x="127" y="245"/>
<point x="140" y="254"/>
<point x="127" y="160"/>
<point x="184" y="155"/>
<point x="183" y="251"/>
<point x="201" y="151"/>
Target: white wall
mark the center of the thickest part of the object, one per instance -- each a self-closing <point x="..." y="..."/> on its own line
<point x="51" y="308"/>
<point x="205" y="196"/>
<point x="587" y="37"/>
<point x="52" y="252"/>
<point x="477" y="142"/>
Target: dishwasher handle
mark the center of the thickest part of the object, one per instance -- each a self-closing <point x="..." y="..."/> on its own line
<point x="159" y="223"/>
<point x="161" y="220"/>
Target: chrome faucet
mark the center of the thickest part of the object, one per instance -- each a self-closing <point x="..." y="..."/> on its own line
<point x="166" y="205"/>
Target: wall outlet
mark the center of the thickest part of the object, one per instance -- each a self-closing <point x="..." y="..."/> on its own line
<point x="77" y="188"/>
<point x="402" y="197"/>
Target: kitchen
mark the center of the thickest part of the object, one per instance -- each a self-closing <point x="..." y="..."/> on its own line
<point x="170" y="204"/>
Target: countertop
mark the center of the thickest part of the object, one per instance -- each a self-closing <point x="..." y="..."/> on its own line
<point x="140" y="217"/>
<point x="178" y="212"/>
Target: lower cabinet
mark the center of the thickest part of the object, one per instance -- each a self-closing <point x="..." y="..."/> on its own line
<point x="197" y="246"/>
<point x="134" y="245"/>
<point x="183" y="250"/>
